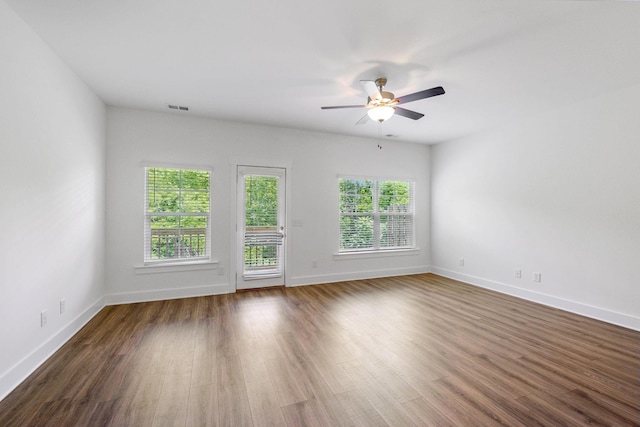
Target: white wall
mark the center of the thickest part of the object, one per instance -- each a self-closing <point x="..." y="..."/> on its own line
<point x="315" y="160"/>
<point x="52" y="165"/>
<point x="557" y="194"/>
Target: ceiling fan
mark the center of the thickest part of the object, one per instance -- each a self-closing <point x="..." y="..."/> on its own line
<point x="382" y="105"/>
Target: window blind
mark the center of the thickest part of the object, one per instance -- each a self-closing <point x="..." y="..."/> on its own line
<point x="376" y="214"/>
<point x="177" y="214"/>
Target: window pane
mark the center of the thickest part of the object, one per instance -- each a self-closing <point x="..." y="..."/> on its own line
<point x="356" y="203"/>
<point x="163" y="179"/>
<point x="356" y="195"/>
<point x="175" y="237"/>
<point x="356" y="232"/>
<point x="164" y="237"/>
<point x="348" y="203"/>
<point x="261" y="201"/>
<point x="194" y="201"/>
<point x="364" y="203"/>
<point x="163" y="190"/>
<point x="396" y="231"/>
<point x="259" y="256"/>
<point x="193" y="237"/>
<point x="394" y="196"/>
<point x="163" y="200"/>
<point x="356" y="186"/>
<point x="195" y="180"/>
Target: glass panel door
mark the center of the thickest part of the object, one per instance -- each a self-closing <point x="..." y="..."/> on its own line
<point x="261" y="231"/>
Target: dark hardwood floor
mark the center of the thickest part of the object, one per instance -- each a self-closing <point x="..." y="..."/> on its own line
<point x="406" y="351"/>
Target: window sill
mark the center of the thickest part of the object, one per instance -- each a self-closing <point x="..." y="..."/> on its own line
<point x="176" y="267"/>
<point x="340" y="256"/>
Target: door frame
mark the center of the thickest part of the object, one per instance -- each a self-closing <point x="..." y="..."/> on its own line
<point x="234" y="227"/>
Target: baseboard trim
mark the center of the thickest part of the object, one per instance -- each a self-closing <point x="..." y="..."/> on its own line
<point x="359" y="275"/>
<point x="166" y="294"/>
<point x="597" y="313"/>
<point x="25" y="367"/>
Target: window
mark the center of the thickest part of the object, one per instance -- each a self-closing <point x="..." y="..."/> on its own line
<point x="177" y="215"/>
<point x="376" y="214"/>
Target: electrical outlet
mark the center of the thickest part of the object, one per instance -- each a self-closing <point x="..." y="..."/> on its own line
<point x="63" y="305"/>
<point x="518" y="274"/>
<point x="314" y="263"/>
<point x="220" y="269"/>
<point x="461" y="262"/>
<point x="537" y="277"/>
<point x="43" y="318"/>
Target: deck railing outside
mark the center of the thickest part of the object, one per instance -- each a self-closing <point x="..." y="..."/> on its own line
<point x="167" y="243"/>
<point x="261" y="246"/>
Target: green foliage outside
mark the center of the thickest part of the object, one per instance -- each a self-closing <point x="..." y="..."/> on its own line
<point x="176" y="190"/>
<point x="261" y="201"/>
<point x="394" y="196"/>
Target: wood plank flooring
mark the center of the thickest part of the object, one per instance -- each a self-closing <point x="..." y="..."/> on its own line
<point x="405" y="351"/>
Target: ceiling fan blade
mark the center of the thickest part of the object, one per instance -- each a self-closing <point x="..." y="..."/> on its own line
<point x="363" y="120"/>
<point x="371" y="89"/>
<point x="434" y="91"/>
<point x="342" y="106"/>
<point x="408" y="113"/>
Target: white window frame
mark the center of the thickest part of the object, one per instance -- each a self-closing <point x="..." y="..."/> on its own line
<point x="376" y="214"/>
<point x="148" y="261"/>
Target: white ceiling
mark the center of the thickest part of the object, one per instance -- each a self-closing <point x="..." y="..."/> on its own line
<point x="278" y="62"/>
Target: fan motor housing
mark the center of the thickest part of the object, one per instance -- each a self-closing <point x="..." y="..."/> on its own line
<point x="386" y="99"/>
<point x="387" y="96"/>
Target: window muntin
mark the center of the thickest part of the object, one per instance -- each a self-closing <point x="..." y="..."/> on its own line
<point x="177" y="215"/>
<point x="376" y="214"/>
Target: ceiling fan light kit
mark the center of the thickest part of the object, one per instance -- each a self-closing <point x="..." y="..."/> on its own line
<point x="382" y="104"/>
<point x="380" y="114"/>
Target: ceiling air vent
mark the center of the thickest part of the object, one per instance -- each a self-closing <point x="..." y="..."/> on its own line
<point x="178" y="107"/>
